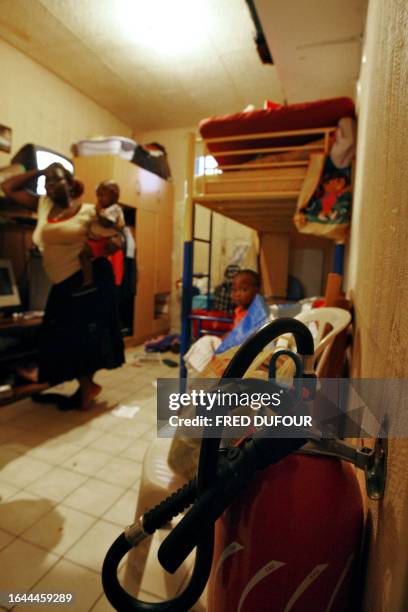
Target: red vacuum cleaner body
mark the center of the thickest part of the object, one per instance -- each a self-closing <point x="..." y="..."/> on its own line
<point x="291" y="541"/>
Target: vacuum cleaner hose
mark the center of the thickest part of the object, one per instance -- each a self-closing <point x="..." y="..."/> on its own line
<point x="208" y="467"/>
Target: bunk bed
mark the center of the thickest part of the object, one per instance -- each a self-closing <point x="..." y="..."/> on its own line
<point x="264" y="159"/>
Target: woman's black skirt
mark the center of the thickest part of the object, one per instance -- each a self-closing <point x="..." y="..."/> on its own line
<point x="81" y="331"/>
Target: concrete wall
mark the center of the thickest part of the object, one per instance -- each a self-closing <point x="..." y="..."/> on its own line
<point x="378" y="276"/>
<point x="41" y="108"/>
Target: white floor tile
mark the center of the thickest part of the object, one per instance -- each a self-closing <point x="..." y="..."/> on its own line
<point x="17" y="574"/>
<point x="94" y="497"/>
<point x="69" y="484"/>
<point x="7" y="491"/>
<point x="20" y="470"/>
<point x="54" y="451"/>
<point x="67" y="577"/>
<point x="59" y="530"/>
<point x="23" y="442"/>
<point x="5" y="538"/>
<point x="56" y="484"/>
<point x="80" y="436"/>
<point x="17" y="409"/>
<point x="132" y="428"/>
<point x="123" y="511"/>
<point x="105" y="422"/>
<point x="150" y="434"/>
<point x="87" y="461"/>
<point x="136" y="451"/>
<point x="22" y="510"/>
<point x="8" y="432"/>
<point x="39" y="418"/>
<point x="7" y="455"/>
<point x="102" y="605"/>
<point x="91" y="549"/>
<point x="120" y="471"/>
<point x="112" y="443"/>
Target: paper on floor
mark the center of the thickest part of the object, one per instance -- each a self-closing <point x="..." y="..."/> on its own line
<point x="125" y="411"/>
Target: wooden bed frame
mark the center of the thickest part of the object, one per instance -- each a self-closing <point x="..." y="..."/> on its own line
<point x="261" y="194"/>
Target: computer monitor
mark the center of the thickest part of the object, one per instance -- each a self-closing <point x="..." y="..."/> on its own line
<point x="9" y="295"/>
<point x="35" y="157"/>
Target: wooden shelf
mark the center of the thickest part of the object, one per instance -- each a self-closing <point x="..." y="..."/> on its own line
<point x="10" y="323"/>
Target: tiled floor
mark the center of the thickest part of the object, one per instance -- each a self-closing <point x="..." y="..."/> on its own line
<point x="69" y="484"/>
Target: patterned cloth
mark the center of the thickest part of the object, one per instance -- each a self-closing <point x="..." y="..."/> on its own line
<point x="222" y="293"/>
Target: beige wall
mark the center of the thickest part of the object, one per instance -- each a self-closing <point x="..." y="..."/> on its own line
<point x="378" y="276"/>
<point x="43" y="109"/>
<point x="226" y="233"/>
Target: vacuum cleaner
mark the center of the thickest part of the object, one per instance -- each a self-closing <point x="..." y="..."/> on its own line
<point x="276" y="523"/>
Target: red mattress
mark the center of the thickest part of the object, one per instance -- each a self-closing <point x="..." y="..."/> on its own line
<point x="318" y="114"/>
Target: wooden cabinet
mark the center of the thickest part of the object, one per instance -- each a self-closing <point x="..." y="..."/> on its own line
<point x="152" y="199"/>
<point x="146" y="239"/>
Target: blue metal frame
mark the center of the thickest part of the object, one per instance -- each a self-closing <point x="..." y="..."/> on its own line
<point x="338" y="262"/>
<point x="187" y="289"/>
<point x="186" y="304"/>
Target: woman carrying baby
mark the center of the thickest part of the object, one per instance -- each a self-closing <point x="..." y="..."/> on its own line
<point x="81" y="332"/>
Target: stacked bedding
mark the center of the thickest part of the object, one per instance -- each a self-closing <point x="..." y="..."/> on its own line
<point x="310" y="115"/>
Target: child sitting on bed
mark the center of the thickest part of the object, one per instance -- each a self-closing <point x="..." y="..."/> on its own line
<point x="107" y="225"/>
<point x="245" y="286"/>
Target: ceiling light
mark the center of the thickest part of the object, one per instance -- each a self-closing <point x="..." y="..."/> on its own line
<point x="173" y="27"/>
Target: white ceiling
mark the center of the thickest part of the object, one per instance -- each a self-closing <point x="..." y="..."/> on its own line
<point x="316" y="45"/>
<point x="169" y="63"/>
<point x="151" y="67"/>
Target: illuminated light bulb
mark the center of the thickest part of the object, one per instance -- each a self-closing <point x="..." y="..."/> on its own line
<point x="173" y="27"/>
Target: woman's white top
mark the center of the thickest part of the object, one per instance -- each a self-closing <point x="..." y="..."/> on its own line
<point x="61" y="243"/>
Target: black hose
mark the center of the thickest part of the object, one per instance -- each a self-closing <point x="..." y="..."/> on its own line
<point x="169" y="508"/>
<point x="172" y="550"/>
<point x="239" y="364"/>
<point x="122" y="601"/>
<point x="153" y="520"/>
<point x="253" y="455"/>
<point x="250" y="349"/>
<point x="206" y="475"/>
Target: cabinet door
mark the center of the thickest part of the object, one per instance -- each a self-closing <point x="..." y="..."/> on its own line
<point x="164" y="235"/>
<point x="164" y="241"/>
<point x="146" y="261"/>
<point x="92" y="170"/>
